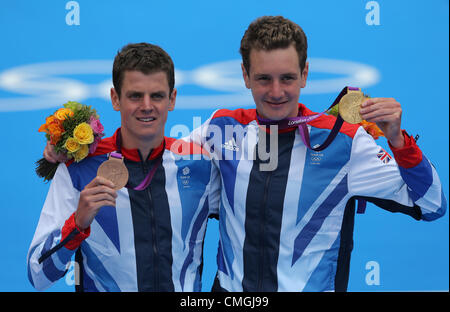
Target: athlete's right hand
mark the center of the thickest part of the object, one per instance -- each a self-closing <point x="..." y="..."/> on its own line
<point x="52" y="156"/>
<point x="98" y="193"/>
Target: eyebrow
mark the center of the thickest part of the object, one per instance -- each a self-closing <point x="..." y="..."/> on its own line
<point x="130" y="92"/>
<point x="283" y="74"/>
<point x="290" y="74"/>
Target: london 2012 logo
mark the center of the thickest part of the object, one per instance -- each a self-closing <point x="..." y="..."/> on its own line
<point x="47" y="85"/>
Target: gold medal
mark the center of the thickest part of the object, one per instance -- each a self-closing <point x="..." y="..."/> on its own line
<point x="114" y="170"/>
<point x="349" y="106"/>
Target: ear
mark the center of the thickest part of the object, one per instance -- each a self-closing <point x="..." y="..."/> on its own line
<point x="305" y="74"/>
<point x="115" y="100"/>
<point x="172" y="99"/>
<point x="245" y="76"/>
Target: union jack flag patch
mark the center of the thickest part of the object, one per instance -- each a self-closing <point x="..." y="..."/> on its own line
<point x="384" y="156"/>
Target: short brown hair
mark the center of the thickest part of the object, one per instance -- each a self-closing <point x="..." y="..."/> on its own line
<point x="273" y="32"/>
<point x="144" y="57"/>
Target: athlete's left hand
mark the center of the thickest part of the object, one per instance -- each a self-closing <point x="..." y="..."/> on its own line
<point x="387" y="114"/>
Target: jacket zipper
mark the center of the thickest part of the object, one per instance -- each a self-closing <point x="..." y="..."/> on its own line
<point x="153" y="226"/>
<point x="262" y="232"/>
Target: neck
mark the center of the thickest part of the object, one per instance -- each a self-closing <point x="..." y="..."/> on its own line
<point x="143" y="146"/>
<point x="145" y="149"/>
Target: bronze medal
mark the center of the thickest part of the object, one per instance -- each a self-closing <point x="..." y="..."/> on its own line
<point x="349" y="106"/>
<point x="114" y="170"/>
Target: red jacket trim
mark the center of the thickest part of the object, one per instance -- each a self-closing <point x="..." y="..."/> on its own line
<point x="68" y="228"/>
<point x="108" y="145"/>
<point x="243" y="116"/>
<point x="409" y="155"/>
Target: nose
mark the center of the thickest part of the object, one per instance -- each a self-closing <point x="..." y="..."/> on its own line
<point x="276" y="91"/>
<point x="147" y="103"/>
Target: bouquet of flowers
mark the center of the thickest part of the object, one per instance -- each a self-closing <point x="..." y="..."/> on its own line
<point x="74" y="130"/>
<point x="370" y="127"/>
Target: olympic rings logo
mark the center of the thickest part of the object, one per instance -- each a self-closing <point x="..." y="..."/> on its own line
<point x="47" y="85"/>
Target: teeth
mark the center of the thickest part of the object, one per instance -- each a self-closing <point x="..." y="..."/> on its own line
<point x="146" y="119"/>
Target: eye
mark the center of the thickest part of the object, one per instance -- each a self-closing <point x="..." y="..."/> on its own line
<point x="157" y="96"/>
<point x="288" y="78"/>
<point x="135" y="96"/>
<point x="262" y="78"/>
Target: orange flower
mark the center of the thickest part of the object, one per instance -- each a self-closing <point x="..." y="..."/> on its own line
<point x="43" y="128"/>
<point x="54" y="139"/>
<point x="55" y="130"/>
<point x="63" y="113"/>
<point x="372" y="129"/>
<point x="48" y="120"/>
<point x="53" y="127"/>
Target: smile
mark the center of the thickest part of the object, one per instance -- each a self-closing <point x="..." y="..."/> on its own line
<point x="146" y="119"/>
<point x="276" y="103"/>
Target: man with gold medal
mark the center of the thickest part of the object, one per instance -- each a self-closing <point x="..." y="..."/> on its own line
<point x="289" y="226"/>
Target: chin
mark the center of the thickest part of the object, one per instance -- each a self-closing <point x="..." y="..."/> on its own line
<point x="279" y="113"/>
<point x="276" y="115"/>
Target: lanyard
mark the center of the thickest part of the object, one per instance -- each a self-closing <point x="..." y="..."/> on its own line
<point x="301" y="121"/>
<point x="148" y="178"/>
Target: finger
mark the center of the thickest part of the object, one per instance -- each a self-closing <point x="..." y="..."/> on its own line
<point x="107" y="203"/>
<point x="370" y="101"/>
<point x="105" y="181"/>
<point x="383" y="104"/>
<point x="47" y="155"/>
<point x="99" y="189"/>
<point x="94" y="201"/>
<point x="51" y="152"/>
<point x="380" y="108"/>
<point x="99" y="181"/>
<point x="393" y="107"/>
<point x="380" y="116"/>
<point x="100" y="197"/>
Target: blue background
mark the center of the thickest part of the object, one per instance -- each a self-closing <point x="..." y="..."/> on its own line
<point x="409" y="50"/>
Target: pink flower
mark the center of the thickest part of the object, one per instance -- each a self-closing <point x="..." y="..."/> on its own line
<point x="96" y="126"/>
<point x="93" y="145"/>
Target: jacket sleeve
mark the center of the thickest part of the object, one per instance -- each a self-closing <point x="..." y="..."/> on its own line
<point x="200" y="137"/>
<point x="214" y="191"/>
<point x="56" y="237"/>
<point x="406" y="183"/>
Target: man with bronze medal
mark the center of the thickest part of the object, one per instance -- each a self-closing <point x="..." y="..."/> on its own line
<point x="290" y="227"/>
<point x="124" y="211"/>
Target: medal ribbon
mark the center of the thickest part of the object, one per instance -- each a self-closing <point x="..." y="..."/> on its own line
<point x="148" y="178"/>
<point x="301" y="121"/>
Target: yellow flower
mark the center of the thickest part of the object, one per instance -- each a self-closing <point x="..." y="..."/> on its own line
<point x="82" y="152"/>
<point x="83" y="133"/>
<point x="72" y="145"/>
<point x="63" y="113"/>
